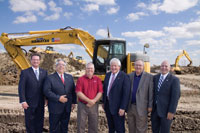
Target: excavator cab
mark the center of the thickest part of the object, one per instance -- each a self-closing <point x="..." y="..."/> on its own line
<point x="105" y="50"/>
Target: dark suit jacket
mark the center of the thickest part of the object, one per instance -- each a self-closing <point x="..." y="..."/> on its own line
<point x="30" y="89"/>
<point x="119" y="93"/>
<point x="144" y="94"/>
<point x="168" y="96"/>
<point x="54" y="88"/>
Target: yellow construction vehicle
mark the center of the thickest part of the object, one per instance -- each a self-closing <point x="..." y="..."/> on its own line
<point x="101" y="51"/>
<point x="48" y="50"/>
<point x="176" y="67"/>
<point x="78" y="58"/>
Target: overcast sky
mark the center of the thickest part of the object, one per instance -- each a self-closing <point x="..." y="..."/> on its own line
<point x="169" y="26"/>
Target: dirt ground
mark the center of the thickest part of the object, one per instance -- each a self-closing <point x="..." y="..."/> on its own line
<point x="187" y="119"/>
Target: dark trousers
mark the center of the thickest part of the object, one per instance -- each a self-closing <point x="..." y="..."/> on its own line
<point x="34" y="119"/>
<point x="115" y="122"/>
<point x="160" y="124"/>
<point x="59" y="122"/>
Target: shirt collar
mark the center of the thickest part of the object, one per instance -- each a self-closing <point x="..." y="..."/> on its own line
<point x="139" y="75"/>
<point x="60" y="74"/>
<point x="115" y="74"/>
<point x="35" y="69"/>
<point x="164" y="76"/>
<point x="87" y="76"/>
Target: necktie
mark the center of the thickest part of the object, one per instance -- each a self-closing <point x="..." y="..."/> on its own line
<point x="62" y="78"/>
<point x="37" y="74"/>
<point x="112" y="80"/>
<point x="160" y="82"/>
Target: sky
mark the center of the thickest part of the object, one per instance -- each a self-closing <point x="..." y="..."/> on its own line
<point x="168" y="26"/>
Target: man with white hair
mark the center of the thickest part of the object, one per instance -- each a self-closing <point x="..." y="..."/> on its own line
<point x="166" y="96"/>
<point x="59" y="89"/>
<point x="115" y="97"/>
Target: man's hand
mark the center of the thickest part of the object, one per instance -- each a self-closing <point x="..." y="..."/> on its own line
<point x="63" y="99"/>
<point x="170" y="116"/>
<point x="45" y="102"/>
<point x="91" y="103"/>
<point x="73" y="106"/>
<point x="103" y="106"/>
<point x="121" y="112"/>
<point x="25" y="105"/>
<point x="149" y="110"/>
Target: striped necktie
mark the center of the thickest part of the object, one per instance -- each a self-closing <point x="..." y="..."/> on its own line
<point x="160" y="82"/>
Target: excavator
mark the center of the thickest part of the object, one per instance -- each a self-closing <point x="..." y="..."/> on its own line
<point x="176" y="67"/>
<point x="101" y="51"/>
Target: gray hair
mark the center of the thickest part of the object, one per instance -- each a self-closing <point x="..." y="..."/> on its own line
<point x="116" y="61"/>
<point x="58" y="60"/>
<point x="88" y="64"/>
<point x="140" y="60"/>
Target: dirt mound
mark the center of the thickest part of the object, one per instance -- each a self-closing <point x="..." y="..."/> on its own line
<point x="9" y="73"/>
<point x="190" y="70"/>
<point x="184" y="69"/>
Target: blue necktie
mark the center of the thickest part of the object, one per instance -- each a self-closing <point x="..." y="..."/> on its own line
<point x="160" y="82"/>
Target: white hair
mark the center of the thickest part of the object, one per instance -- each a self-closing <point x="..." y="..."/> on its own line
<point x="58" y="60"/>
<point x="116" y="61"/>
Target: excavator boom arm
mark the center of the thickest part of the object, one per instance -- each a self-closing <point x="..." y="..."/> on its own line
<point x="51" y="37"/>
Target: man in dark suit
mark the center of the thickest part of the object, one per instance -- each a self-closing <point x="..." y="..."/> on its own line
<point x="166" y="96"/>
<point x="116" y="91"/>
<point x="31" y="95"/>
<point x="59" y="89"/>
<point x="141" y="99"/>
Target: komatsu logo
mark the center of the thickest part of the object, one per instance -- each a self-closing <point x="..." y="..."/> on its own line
<point x="38" y="40"/>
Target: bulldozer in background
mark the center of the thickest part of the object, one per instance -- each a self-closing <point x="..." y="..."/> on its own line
<point x="48" y="50"/>
<point x="78" y="59"/>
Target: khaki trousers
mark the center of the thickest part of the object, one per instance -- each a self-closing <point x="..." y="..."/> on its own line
<point x="136" y="123"/>
<point x="85" y="113"/>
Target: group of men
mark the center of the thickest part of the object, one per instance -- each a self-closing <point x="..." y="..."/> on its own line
<point x="138" y="94"/>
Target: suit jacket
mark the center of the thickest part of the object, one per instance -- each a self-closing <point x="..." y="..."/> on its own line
<point x="30" y="89"/>
<point x="168" y="96"/>
<point x="119" y="93"/>
<point x="144" y="94"/>
<point x="54" y="88"/>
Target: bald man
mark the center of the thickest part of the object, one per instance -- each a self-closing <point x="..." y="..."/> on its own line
<point x="166" y="96"/>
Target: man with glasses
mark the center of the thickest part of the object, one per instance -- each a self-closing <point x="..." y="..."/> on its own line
<point x="59" y="89"/>
<point x="31" y="95"/>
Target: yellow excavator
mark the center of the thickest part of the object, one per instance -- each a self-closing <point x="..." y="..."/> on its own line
<point x="101" y="51"/>
<point x="176" y="67"/>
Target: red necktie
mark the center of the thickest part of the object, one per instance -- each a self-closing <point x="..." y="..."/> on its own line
<point x="62" y="79"/>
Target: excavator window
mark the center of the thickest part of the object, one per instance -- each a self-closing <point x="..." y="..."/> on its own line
<point x="105" y="50"/>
